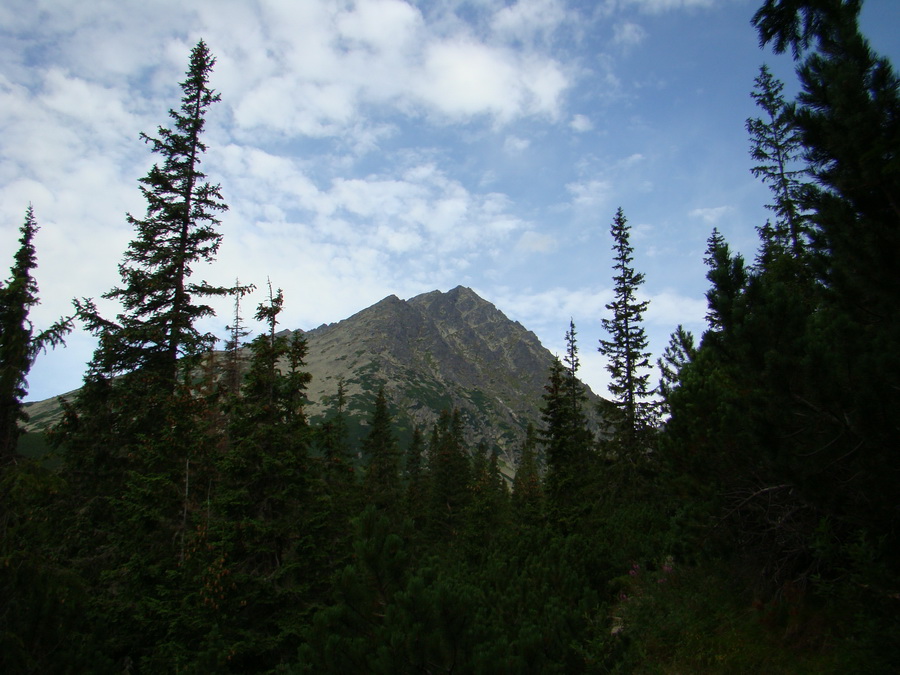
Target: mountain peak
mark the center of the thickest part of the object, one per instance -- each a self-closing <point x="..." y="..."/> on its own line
<point x="433" y="352"/>
<point x="437" y="350"/>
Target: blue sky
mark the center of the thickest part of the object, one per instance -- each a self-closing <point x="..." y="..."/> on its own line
<point x="384" y="147"/>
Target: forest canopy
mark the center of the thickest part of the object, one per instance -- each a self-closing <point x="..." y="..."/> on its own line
<point x="741" y="516"/>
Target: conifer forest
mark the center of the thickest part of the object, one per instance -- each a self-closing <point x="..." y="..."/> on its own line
<point x="739" y="516"/>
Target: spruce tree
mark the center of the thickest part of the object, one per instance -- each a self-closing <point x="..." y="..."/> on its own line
<point x="266" y="528"/>
<point x="450" y="472"/>
<point x="333" y="438"/>
<point x="41" y="611"/>
<point x="527" y="493"/>
<point x="568" y="443"/>
<point x="416" y="477"/>
<point x="19" y="346"/>
<point x="575" y="393"/>
<point x="728" y="277"/>
<point x="237" y="331"/>
<point x="160" y="304"/>
<point x="137" y="439"/>
<point x="775" y="145"/>
<point x="846" y="115"/>
<point x="626" y="348"/>
<point x="380" y="449"/>
<point x="678" y="353"/>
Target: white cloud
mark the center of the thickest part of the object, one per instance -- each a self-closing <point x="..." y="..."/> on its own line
<point x="670" y="308"/>
<point x="554" y="306"/>
<point x="382" y="26"/>
<point x="312" y="68"/>
<point x="656" y="6"/>
<point x="711" y="215"/>
<point x="590" y="194"/>
<point x="628" y="34"/>
<point x="641" y="231"/>
<point x="461" y="78"/>
<point x="515" y="145"/>
<point x="527" y="20"/>
<point x="581" y="123"/>
<point x="536" y="242"/>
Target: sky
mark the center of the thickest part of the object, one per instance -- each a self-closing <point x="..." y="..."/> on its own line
<point x="376" y="147"/>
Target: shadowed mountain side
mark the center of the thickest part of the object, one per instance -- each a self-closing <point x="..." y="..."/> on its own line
<point x="432" y="352"/>
<point x="435" y="351"/>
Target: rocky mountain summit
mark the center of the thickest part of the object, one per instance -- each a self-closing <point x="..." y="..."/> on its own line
<point x="433" y="352"/>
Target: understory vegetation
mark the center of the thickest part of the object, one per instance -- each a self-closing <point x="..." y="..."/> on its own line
<point x="739" y="517"/>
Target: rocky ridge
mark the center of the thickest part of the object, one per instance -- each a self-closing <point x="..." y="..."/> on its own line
<point x="435" y="351"/>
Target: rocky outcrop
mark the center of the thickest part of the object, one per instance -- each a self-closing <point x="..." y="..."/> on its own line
<point x="432" y="352"/>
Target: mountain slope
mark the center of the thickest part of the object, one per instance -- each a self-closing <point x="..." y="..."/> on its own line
<point x="432" y="352"/>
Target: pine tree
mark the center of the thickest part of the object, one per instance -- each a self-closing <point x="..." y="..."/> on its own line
<point x="575" y="393"/>
<point x="333" y="437"/>
<point x="678" y="353"/>
<point x="237" y="331"/>
<point x="265" y="532"/>
<point x="416" y="477"/>
<point x="450" y="472"/>
<point x="728" y="277"/>
<point x="775" y="144"/>
<point x="846" y="115"/>
<point x="527" y="493"/>
<point x="19" y="346"/>
<point x="137" y="441"/>
<point x="42" y="607"/>
<point x="568" y="443"/>
<point x="627" y="344"/>
<point x="160" y="308"/>
<point x="488" y="509"/>
<point x="380" y="449"/>
<point x="846" y="118"/>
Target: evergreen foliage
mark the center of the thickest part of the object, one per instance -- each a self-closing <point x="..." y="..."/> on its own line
<point x="776" y="146"/>
<point x="625" y="349"/>
<point x="416" y="477"/>
<point x="200" y="523"/>
<point x="382" y="454"/>
<point x="233" y="370"/>
<point x="568" y="443"/>
<point x="678" y="353"/>
<point x="19" y="346"/>
<point x="527" y="491"/>
<point x="449" y="471"/>
<point x="160" y="308"/>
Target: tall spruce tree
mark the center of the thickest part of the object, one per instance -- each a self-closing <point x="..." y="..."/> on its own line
<point x="265" y="529"/>
<point x="137" y="438"/>
<point x="728" y="276"/>
<point x="41" y="606"/>
<point x="157" y="325"/>
<point x="19" y="346"/>
<point x="847" y="115"/>
<point x="568" y="443"/>
<point x="626" y="348"/>
<point x="574" y="388"/>
<point x="380" y="448"/>
<point x="416" y="477"/>
<point x="678" y="353"/>
<point x="233" y="371"/>
<point x="775" y="145"/>
<point x="450" y="473"/>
